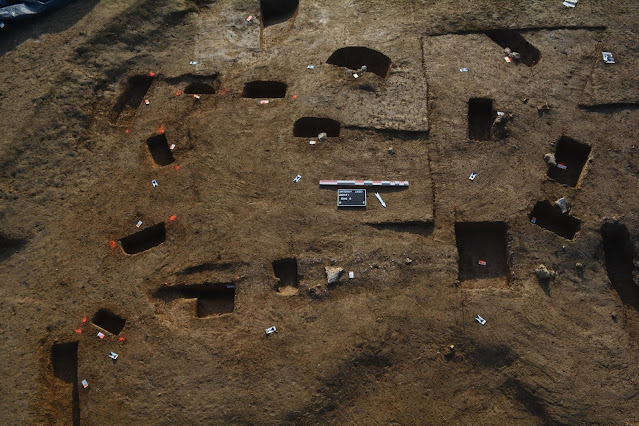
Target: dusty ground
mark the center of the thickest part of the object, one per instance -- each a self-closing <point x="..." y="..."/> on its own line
<point x="76" y="178"/>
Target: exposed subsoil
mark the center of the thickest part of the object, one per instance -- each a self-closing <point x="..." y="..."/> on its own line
<point x="121" y="112"/>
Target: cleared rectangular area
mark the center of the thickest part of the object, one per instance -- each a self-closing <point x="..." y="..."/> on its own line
<point x="483" y="253"/>
<point x="571" y="157"/>
<point x="551" y="218"/>
<point x="481" y="116"/>
<point x="144" y="240"/>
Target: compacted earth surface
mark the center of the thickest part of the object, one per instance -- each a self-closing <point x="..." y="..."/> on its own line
<point x="161" y="208"/>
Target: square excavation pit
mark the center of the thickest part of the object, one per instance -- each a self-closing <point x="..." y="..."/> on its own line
<point x="483" y="254"/>
<point x="212" y="298"/>
<point x="144" y="240"/>
<point x="529" y="54"/>
<point x="108" y="321"/>
<point x="136" y="89"/>
<point x="551" y="218"/>
<point x="481" y="116"/>
<point x="620" y="253"/>
<point x="159" y="149"/>
<point x="285" y="271"/>
<point x="277" y="11"/>
<point x="573" y="156"/>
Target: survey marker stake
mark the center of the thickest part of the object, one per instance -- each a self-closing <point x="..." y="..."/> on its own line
<point x="379" y="197"/>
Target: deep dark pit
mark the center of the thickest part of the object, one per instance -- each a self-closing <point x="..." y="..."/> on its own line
<point x="530" y="55"/>
<point x="159" y="149"/>
<point x="310" y="127"/>
<point x="481" y="116"/>
<point x="145" y="239"/>
<point x="482" y="241"/>
<point x="356" y="56"/>
<point x="261" y="89"/>
<point x="573" y="155"/>
<point x="109" y="321"/>
<point x="551" y="218"/>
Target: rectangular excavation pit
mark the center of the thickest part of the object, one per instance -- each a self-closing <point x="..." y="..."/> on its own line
<point x="212" y="298"/>
<point x="159" y="149"/>
<point x="277" y="11"/>
<point x="481" y="116"/>
<point x="264" y="89"/>
<point x="136" y="89"/>
<point x="108" y="321"/>
<point x="571" y="158"/>
<point x="551" y="218"/>
<point x="620" y="253"/>
<point x="483" y="253"/>
<point x="285" y="270"/>
<point x="310" y="127"/>
<point x="64" y="357"/>
<point x="530" y="55"/>
<point x="145" y="239"/>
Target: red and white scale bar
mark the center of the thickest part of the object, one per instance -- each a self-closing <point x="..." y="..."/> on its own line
<point x="363" y="183"/>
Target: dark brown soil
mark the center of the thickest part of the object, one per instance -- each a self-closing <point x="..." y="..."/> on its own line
<point x="185" y="298"/>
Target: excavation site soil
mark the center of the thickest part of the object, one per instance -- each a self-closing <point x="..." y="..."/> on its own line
<point x="172" y="250"/>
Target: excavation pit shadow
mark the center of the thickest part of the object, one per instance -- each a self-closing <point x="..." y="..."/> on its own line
<point x="136" y="89"/>
<point x="107" y="320"/>
<point x="159" y="149"/>
<point x="619" y="254"/>
<point x="483" y="254"/>
<point x="354" y="57"/>
<point x="264" y="89"/>
<point x="9" y="247"/>
<point x="419" y="227"/>
<point x="64" y="357"/>
<point x="530" y="55"/>
<point x="571" y="158"/>
<point x="197" y="84"/>
<point x="481" y="116"/>
<point x="277" y="11"/>
<point x="212" y="298"/>
<point x="550" y="217"/>
<point x="310" y="127"/>
<point x="286" y="272"/>
<point x="145" y="239"/>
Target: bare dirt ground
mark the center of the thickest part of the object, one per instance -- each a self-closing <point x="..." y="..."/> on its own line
<point x="229" y="245"/>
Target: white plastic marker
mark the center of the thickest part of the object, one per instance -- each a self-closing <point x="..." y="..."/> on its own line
<point x="297" y="178"/>
<point x="363" y="183"/>
<point x="85" y="384"/>
<point x="379" y="197"/>
<point x="270" y="330"/>
<point x="113" y="356"/>
<point x="472" y="176"/>
<point x="480" y="320"/>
